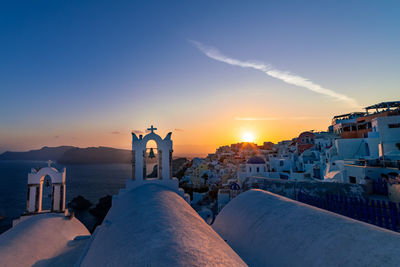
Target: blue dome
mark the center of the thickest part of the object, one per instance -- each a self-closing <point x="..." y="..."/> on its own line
<point x="256" y="160"/>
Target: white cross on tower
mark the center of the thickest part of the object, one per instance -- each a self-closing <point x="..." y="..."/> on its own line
<point x="152" y="129"/>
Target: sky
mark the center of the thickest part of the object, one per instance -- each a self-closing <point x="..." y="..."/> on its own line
<point x="87" y="73"/>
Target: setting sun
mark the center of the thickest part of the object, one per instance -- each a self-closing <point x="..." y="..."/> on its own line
<point x="248" y="137"/>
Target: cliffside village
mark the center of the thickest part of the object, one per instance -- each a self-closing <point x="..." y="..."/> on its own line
<point x="358" y="148"/>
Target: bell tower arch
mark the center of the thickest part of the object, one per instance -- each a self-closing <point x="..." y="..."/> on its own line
<point x="139" y="154"/>
<point x="164" y="162"/>
<point x="35" y="189"/>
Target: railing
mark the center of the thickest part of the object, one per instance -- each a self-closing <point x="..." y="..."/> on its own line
<point x="380" y="187"/>
<point x="378" y="212"/>
<point x="373" y="163"/>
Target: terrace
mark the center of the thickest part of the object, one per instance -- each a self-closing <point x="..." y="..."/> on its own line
<point x="378" y="163"/>
<point x="384" y="106"/>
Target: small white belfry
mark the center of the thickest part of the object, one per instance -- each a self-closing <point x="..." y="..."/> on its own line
<point x="35" y="189"/>
<point x="157" y="160"/>
<point x="140" y="157"/>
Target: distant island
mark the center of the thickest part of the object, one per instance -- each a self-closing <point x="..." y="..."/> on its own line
<point x="72" y="155"/>
<point x="76" y="155"/>
<point x="45" y="153"/>
<point x="95" y="155"/>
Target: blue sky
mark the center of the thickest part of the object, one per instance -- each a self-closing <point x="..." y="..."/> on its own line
<point x="72" y="72"/>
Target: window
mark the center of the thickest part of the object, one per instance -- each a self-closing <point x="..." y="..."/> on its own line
<point x="258" y="169"/>
<point x="367" y="152"/>
<point x="250" y="169"/>
<point x="352" y="179"/>
<point x="394" y="125"/>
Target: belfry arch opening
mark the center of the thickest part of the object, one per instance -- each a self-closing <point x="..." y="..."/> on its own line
<point x="46" y="187"/>
<point x="151" y="161"/>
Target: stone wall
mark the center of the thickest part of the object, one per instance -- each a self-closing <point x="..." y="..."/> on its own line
<point x="290" y="189"/>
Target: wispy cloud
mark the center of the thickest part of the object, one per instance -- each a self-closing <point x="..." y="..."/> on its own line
<point x="306" y="118"/>
<point x="115" y="132"/>
<point x="256" y="118"/>
<point x="285" y="76"/>
<point x="179" y="130"/>
<point x="275" y="118"/>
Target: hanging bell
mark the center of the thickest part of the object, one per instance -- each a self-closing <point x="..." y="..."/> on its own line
<point x="151" y="155"/>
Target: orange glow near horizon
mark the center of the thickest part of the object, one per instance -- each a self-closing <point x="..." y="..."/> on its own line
<point x="191" y="137"/>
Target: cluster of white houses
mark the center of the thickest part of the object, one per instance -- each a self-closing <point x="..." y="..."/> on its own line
<point x="358" y="146"/>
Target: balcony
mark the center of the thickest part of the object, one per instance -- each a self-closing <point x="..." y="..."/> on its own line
<point x="377" y="163"/>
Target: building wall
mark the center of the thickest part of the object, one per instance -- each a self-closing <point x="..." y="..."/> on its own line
<point x="388" y="129"/>
<point x="280" y="164"/>
<point x="256" y="169"/>
<point x="387" y="133"/>
<point x="305" y="141"/>
<point x="357" y="148"/>
<point x="290" y="188"/>
<point x="197" y="173"/>
<point x="361" y="172"/>
<point x="394" y="192"/>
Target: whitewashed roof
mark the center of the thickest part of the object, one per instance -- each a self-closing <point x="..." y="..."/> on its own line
<point x="270" y="230"/>
<point x="44" y="240"/>
<point x="153" y="226"/>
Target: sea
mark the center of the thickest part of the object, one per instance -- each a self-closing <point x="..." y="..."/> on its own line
<point x="91" y="181"/>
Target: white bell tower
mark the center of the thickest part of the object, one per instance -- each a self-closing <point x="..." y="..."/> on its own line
<point x="162" y="166"/>
<point x="35" y="189"/>
<point x="164" y="151"/>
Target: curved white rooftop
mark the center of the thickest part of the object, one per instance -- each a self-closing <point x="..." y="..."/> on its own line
<point x="43" y="240"/>
<point x="153" y="226"/>
<point x="256" y="160"/>
<point x="270" y="230"/>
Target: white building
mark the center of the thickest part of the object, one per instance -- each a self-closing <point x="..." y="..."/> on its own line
<point x="255" y="166"/>
<point x="354" y="159"/>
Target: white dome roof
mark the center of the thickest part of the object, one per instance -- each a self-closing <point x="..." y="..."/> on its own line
<point x="256" y="160"/>
<point x="266" y="229"/>
<point x="43" y="238"/>
<point x="153" y="226"/>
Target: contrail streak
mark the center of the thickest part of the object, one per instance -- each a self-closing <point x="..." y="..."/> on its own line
<point x="287" y="77"/>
